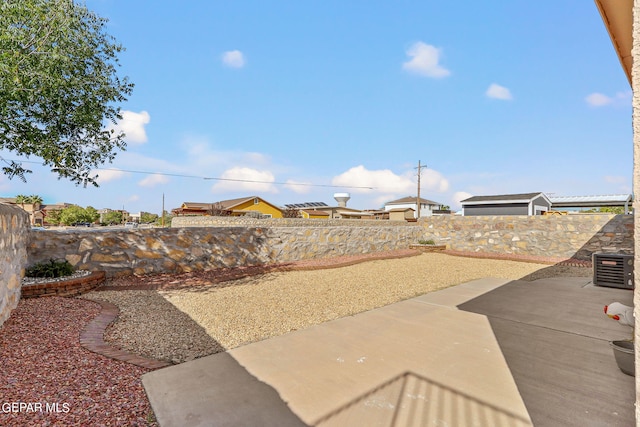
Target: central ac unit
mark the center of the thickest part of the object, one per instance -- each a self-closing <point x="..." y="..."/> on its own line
<point x="613" y="270"/>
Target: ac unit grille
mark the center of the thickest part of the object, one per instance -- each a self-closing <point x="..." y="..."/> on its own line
<point x="613" y="270"/>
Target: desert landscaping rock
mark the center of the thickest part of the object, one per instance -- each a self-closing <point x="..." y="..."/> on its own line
<point x="190" y="322"/>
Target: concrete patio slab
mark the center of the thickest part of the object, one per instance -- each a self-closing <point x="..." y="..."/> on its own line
<point x="485" y="353"/>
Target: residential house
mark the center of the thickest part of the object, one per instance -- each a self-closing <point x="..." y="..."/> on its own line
<point x="506" y="204"/>
<point x="324" y="211"/>
<point x="37" y="211"/>
<point x="427" y="207"/>
<point x="245" y="206"/>
<point x="314" y="214"/>
<point x="402" y="214"/>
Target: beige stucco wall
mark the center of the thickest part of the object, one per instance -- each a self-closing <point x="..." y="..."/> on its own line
<point x="636" y="181"/>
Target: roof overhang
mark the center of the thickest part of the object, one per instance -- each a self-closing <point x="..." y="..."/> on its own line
<point x="617" y="16"/>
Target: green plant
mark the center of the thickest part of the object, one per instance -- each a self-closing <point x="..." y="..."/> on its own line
<point x="426" y="242"/>
<point x="51" y="269"/>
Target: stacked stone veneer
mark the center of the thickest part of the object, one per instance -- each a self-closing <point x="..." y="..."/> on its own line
<point x="13" y="256"/>
<point x="567" y="236"/>
<point x="239" y="221"/>
<point x="145" y="251"/>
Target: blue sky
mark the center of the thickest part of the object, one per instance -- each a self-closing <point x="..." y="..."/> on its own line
<point x="494" y="97"/>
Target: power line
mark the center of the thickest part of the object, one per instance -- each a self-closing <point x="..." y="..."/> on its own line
<point x="254" y="181"/>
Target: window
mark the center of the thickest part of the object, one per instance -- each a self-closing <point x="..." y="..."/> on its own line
<point x="256" y="201"/>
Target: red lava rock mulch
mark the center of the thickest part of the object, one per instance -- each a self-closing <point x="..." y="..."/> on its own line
<point x="571" y="262"/>
<point x="48" y="379"/>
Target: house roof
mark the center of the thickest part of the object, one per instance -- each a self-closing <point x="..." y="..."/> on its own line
<point x="591" y="201"/>
<point x="352" y="212"/>
<point x="231" y="203"/>
<point x="510" y="198"/>
<point x="401" y="210"/>
<point x="617" y="16"/>
<point x="411" y="199"/>
<point x="306" y="205"/>
<point x="195" y="205"/>
<point x="315" y="212"/>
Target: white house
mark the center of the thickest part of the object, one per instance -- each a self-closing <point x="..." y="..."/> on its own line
<point x="426" y="206"/>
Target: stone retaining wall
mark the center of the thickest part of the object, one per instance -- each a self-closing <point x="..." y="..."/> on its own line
<point x="567" y="236"/>
<point x="240" y="221"/>
<point x="146" y="251"/>
<point x="13" y="256"/>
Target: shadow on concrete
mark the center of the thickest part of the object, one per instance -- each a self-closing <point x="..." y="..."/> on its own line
<point x="413" y="400"/>
<point x="555" y="339"/>
<point x="186" y="396"/>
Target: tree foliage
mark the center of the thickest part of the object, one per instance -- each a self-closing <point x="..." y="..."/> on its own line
<point x="52" y="216"/>
<point x="74" y="214"/>
<point x="148" y="218"/>
<point x="112" y="217"/>
<point x="58" y="88"/>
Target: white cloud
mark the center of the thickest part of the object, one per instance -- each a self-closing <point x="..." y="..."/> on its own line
<point x="424" y="61"/>
<point x="108" y="175"/>
<point x="132" y="124"/>
<point x="298" y="186"/>
<point x="133" y="198"/>
<point x="390" y="183"/>
<point x="234" y="59"/>
<point x="153" y="180"/>
<point x="433" y="180"/>
<point x="598" y="100"/>
<point x="457" y="197"/>
<point x="615" y="179"/>
<point x="381" y="180"/>
<point x="245" y="179"/>
<point x="496" y="91"/>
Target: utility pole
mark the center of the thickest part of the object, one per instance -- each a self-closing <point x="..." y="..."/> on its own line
<point x="418" y="197"/>
<point x="162" y="222"/>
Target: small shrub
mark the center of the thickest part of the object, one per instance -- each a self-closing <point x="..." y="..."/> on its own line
<point x="426" y="242"/>
<point x="53" y="269"/>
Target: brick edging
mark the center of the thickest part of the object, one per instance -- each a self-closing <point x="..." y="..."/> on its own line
<point x="64" y="288"/>
<point x="92" y="338"/>
<point x="571" y="262"/>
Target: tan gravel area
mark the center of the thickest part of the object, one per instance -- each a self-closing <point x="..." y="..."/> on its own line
<point x="186" y="322"/>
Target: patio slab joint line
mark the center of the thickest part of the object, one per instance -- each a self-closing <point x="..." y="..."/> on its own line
<point x="92" y="338"/>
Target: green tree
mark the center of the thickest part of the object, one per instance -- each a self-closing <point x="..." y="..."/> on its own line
<point x="21" y="199"/>
<point x="34" y="199"/>
<point x="148" y="218"/>
<point x="92" y="214"/>
<point x="74" y="214"/>
<point x="112" y="217"/>
<point x="53" y="216"/>
<point x="58" y="88"/>
<point x="618" y="210"/>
